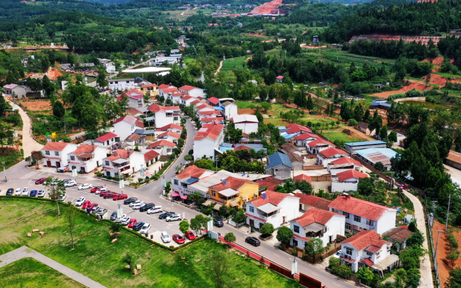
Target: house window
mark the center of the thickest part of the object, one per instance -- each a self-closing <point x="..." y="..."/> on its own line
<point x="107" y="163"/>
<point x="213" y="193"/>
<point x="107" y="173"/>
<point x="296" y="229"/>
<point x="56" y="153"/>
<point x="252" y="209"/>
<point x="176" y="182"/>
<point x="72" y="158"/>
<point x="369" y="253"/>
<point x="346" y="214"/>
<point x="348" y="226"/>
<point x="370" y="222"/>
<point x="47" y="153"/>
<point x="357" y="218"/>
<point x="348" y="251"/>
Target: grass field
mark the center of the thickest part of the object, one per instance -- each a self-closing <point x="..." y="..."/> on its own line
<point x="426" y="104"/>
<point x="28" y="272"/>
<point x="232" y="63"/>
<point x="179" y="15"/>
<point x="335" y="135"/>
<point x="95" y="256"/>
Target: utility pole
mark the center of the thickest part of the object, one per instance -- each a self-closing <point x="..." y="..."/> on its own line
<point x="448" y="213"/>
<point x="437" y="244"/>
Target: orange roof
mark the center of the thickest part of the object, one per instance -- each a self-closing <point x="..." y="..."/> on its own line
<point x="366" y="239"/>
<point x="133" y="111"/>
<point x="170" y="90"/>
<point x="302" y="177"/>
<point x="84" y="148"/>
<point x="187" y="88"/>
<point x="319" y="141"/>
<point x="270" y="182"/>
<point x="120" y="153"/>
<point x="209" y="112"/>
<point x="272" y="197"/>
<point x="348" y="174"/>
<point x="156" y="108"/>
<point x="359" y="207"/>
<point x="150" y="155"/>
<point x="55" y="146"/>
<point x="170" y="133"/>
<point x="305" y="136"/>
<point x="149" y="85"/>
<point x="163" y="86"/>
<point x="332" y="151"/>
<point x="313" y="201"/>
<point x="454" y="156"/>
<point x="191" y="171"/>
<point x="345" y="160"/>
<point x="314" y="215"/>
<point x="243" y="147"/>
<point x="169" y="126"/>
<point x="232" y="183"/>
<point x="211" y="131"/>
<point x="161" y="143"/>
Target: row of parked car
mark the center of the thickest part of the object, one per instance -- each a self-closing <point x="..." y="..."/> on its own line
<point x="25" y="192"/>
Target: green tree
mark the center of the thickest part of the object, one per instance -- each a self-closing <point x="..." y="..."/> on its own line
<point x="6" y="133"/>
<point x="195" y="224"/>
<point x="383" y="133"/>
<point x="230" y="237"/>
<point x="3" y="104"/>
<point x="102" y="78"/>
<point x="454" y="281"/>
<point x="314" y="247"/>
<point x="184" y="226"/>
<point x="239" y="217"/>
<point x="284" y="235"/>
<point x="365" y="275"/>
<point x="128" y="259"/>
<point x="412" y="226"/>
<point x="304" y="186"/>
<point x="413" y="277"/>
<point x="218" y="265"/>
<point x="266" y="106"/>
<point x="392" y="137"/>
<point x="267" y="229"/>
<point x="366" y="186"/>
<point x="310" y="103"/>
<point x="452" y="257"/>
<point x="58" y="109"/>
<point x="56" y="189"/>
<point x="47" y="86"/>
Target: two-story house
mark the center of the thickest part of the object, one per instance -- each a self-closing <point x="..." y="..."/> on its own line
<point x="317" y="223"/>
<point x="122" y="84"/>
<point x="15" y="91"/>
<point x="135" y="98"/>
<point x="343" y="164"/>
<point x="247" y="123"/>
<point x="163" y="147"/>
<point x="187" y="100"/>
<point x="150" y="157"/>
<point x="170" y="127"/>
<point x="234" y="191"/>
<point x="328" y="155"/>
<point x="230" y="110"/>
<point x="106" y="140"/>
<point x="363" y="215"/>
<point x="367" y="248"/>
<point x="193" y="91"/>
<point x="346" y="181"/>
<point x="314" y="147"/>
<point x="308" y="201"/>
<point x="303" y="139"/>
<point x="272" y="207"/>
<point x="166" y="115"/>
<point x="208" y="140"/>
<point x="164" y="87"/>
<point x="169" y="136"/>
<point x="149" y="89"/>
<point x="86" y="158"/>
<point x="279" y="165"/>
<point x="122" y="162"/>
<point x="125" y="126"/>
<point x="208" y="114"/>
<point x="55" y="153"/>
<point x="190" y="175"/>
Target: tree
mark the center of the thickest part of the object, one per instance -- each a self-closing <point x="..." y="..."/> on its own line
<point x="195" y="224"/>
<point x="366" y="186"/>
<point x="266" y="106"/>
<point x="413" y="277"/>
<point x="379" y="166"/>
<point x="392" y="137"/>
<point x="56" y="189"/>
<point x="383" y="133"/>
<point x="230" y="237"/>
<point x="218" y="265"/>
<point x="310" y="103"/>
<point x="452" y="257"/>
<point x="314" y="247"/>
<point x="454" y="281"/>
<point x="184" y="226"/>
<point x="47" y="86"/>
<point x="58" y="109"/>
<point x="365" y="275"/>
<point x="3" y="104"/>
<point x="284" y="235"/>
<point x="101" y="79"/>
<point x="71" y="221"/>
<point x="239" y="217"/>
<point x="412" y="226"/>
<point x="267" y="229"/>
<point x="415" y="239"/>
<point x="128" y="259"/>
<point x="6" y="133"/>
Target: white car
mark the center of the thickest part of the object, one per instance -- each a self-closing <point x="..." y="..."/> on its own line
<point x="125" y="220"/>
<point x="85" y="186"/>
<point x="118" y="220"/>
<point x="80" y="201"/>
<point x="63" y="197"/>
<point x="25" y="191"/>
<point x="100" y="190"/>
<point x="175" y="217"/>
<point x="156" y="209"/>
<point x="137" y="203"/>
<point x="70" y="183"/>
<point x="165" y="237"/>
<point x="41" y="194"/>
<point x="145" y="228"/>
<point x="18" y="192"/>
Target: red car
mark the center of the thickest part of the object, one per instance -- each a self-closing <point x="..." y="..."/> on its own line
<point x="120" y="197"/>
<point x="92" y="206"/>
<point x="40" y="181"/>
<point x="94" y="189"/>
<point x="190" y="235"/>
<point x="132" y="223"/>
<point x="109" y="195"/>
<point x="86" y="204"/>
<point x="178" y="239"/>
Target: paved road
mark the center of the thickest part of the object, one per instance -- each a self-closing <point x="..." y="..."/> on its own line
<point x="26" y="252"/>
<point x="426" y="271"/>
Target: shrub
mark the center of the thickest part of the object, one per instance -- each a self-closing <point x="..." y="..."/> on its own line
<point x="267" y="230"/>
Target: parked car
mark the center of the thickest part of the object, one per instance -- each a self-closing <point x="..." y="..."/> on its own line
<point x="95" y="210"/>
<point x="145" y="228"/>
<point x="137" y="206"/>
<point x="9" y="191"/>
<point x="25" y="191"/>
<point x="92" y="206"/>
<point x="63" y="197"/>
<point x="125" y="220"/>
<point x="337" y="254"/>
<point x="178" y="239"/>
<point x="86" y="204"/>
<point x="85" y="186"/>
<point x="165" y="237"/>
<point x="175" y="217"/>
<point x="146" y="207"/>
<point x="18" y="192"/>
<point x="33" y="193"/>
<point x="132" y="223"/>
<point x="156" y="209"/>
<point x="94" y="189"/>
<point x="218" y="222"/>
<point x="190" y="235"/>
<point x="63" y="169"/>
<point x="120" y="196"/>
<point x="103" y="192"/>
<point x="136" y="202"/>
<point x="166" y="214"/>
<point x="70" y="183"/>
<point x="98" y="192"/>
<point x="109" y="195"/>
<point x="41" y="193"/>
<point x="253" y="241"/>
<point x="119" y="219"/>
<point x="113" y="216"/>
<point x="102" y="211"/>
<point x="138" y="226"/>
<point x="80" y="201"/>
<point x="130" y="200"/>
<point x="40" y="181"/>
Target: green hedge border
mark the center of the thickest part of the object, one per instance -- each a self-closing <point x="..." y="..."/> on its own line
<point x="135" y="233"/>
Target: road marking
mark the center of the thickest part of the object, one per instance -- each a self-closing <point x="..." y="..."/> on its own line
<point x="336" y="284"/>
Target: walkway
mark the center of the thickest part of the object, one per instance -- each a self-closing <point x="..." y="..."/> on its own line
<point x="219" y="68"/>
<point x="25" y="252"/>
<point x="28" y="142"/>
<point x="426" y="270"/>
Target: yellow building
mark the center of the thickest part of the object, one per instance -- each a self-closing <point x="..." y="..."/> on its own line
<point x="234" y="191"/>
<point x="151" y="89"/>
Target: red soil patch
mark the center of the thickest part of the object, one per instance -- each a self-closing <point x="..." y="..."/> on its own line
<point x="53" y="74"/>
<point x="246" y="111"/>
<point x="405" y="89"/>
<point x="442" y="252"/>
<point x="267" y="8"/>
<point x="436" y="61"/>
<point x="436" y="79"/>
<point x="37" y="105"/>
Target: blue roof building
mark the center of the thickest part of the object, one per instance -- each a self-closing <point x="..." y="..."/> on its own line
<point x="353" y="147"/>
<point x="375" y="155"/>
<point x="279" y="165"/>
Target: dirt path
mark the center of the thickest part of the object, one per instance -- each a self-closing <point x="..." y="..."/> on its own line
<point x="219" y="68"/>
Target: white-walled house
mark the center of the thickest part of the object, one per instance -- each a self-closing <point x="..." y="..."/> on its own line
<point x="55" y="153"/>
<point x="169" y="136"/>
<point x="180" y="182"/>
<point x="346" y="181"/>
<point x="122" y="84"/>
<point x="164" y="88"/>
<point x="230" y="110"/>
<point x="247" y="123"/>
<point x="305" y="138"/>
<point x="314" y="147"/>
<point x="363" y="215"/>
<point x="170" y="127"/>
<point x="207" y="141"/>
<point x="135" y="98"/>
<point x="106" y="140"/>
<point x="125" y="126"/>
<point x="86" y="158"/>
<point x="193" y="91"/>
<point x="343" y="164"/>
<point x="166" y="115"/>
<point x="209" y="114"/>
<point x="328" y="155"/>
<point x="187" y="100"/>
<point x="272" y="207"/>
<point x="125" y="162"/>
<point x="163" y="147"/>
<point x="150" y="157"/>
<point x="366" y="248"/>
<point x="317" y="223"/>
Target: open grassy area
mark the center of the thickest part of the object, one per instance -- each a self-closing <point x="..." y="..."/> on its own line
<point x="428" y="105"/>
<point x="95" y="256"/>
<point x="232" y="63"/>
<point x="28" y="272"/>
<point x="336" y="135"/>
<point x="179" y="15"/>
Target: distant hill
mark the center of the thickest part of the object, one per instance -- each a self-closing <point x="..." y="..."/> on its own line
<point x="107" y="2"/>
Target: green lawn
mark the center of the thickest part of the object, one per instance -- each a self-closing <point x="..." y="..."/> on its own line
<point x="232" y="63"/>
<point x="28" y="272"/>
<point x="333" y="136"/>
<point x="95" y="256"/>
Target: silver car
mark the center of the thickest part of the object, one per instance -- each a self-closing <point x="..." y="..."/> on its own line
<point x="25" y="191"/>
<point x="119" y="219"/>
<point x="125" y="220"/>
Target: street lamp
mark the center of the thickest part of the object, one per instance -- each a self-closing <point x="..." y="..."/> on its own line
<point x="4" y="170"/>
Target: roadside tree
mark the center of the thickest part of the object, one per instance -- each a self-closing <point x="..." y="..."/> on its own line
<point x="184" y="226"/>
<point x="284" y="235"/>
<point x="56" y="189"/>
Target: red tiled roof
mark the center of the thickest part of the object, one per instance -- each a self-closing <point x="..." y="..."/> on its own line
<point x="209" y="112"/>
<point x="150" y="155"/>
<point x="156" y="108"/>
<point x="348" y="174"/>
<point x="232" y="183"/>
<point x="210" y="120"/>
<point x="270" y="182"/>
<point x="313" y="201"/>
<point x="279" y="77"/>
<point x="211" y="131"/>
<point x="345" y="160"/>
<point x="170" y="90"/>
<point x="133" y="137"/>
<point x="302" y="177"/>
<point x="454" y="156"/>
<point x="161" y="143"/>
<point x="319" y="141"/>
<point x="134" y="93"/>
<point x="195" y="102"/>
<point x="120" y="153"/>
<point x="133" y="111"/>
<point x="187" y="88"/>
<point x="164" y="86"/>
<point x="170" y="133"/>
<point x="149" y="85"/>
<point x="84" y="148"/>
<point x="127" y="118"/>
<point x="359" y="207"/>
<point x="364" y="239"/>
<point x="242" y="147"/>
<point x="213" y="100"/>
<point x="203" y="106"/>
<point x="368" y="262"/>
<point x="314" y="215"/>
<point x="169" y="126"/>
<point x="399" y="234"/>
<point x="187" y="98"/>
<point x="273" y="198"/>
<point x="298" y="129"/>
<point x="139" y="124"/>
<point x="106" y="137"/>
<point x="332" y="151"/>
<point x="191" y="171"/>
<point x="305" y="136"/>
<point x="55" y="146"/>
